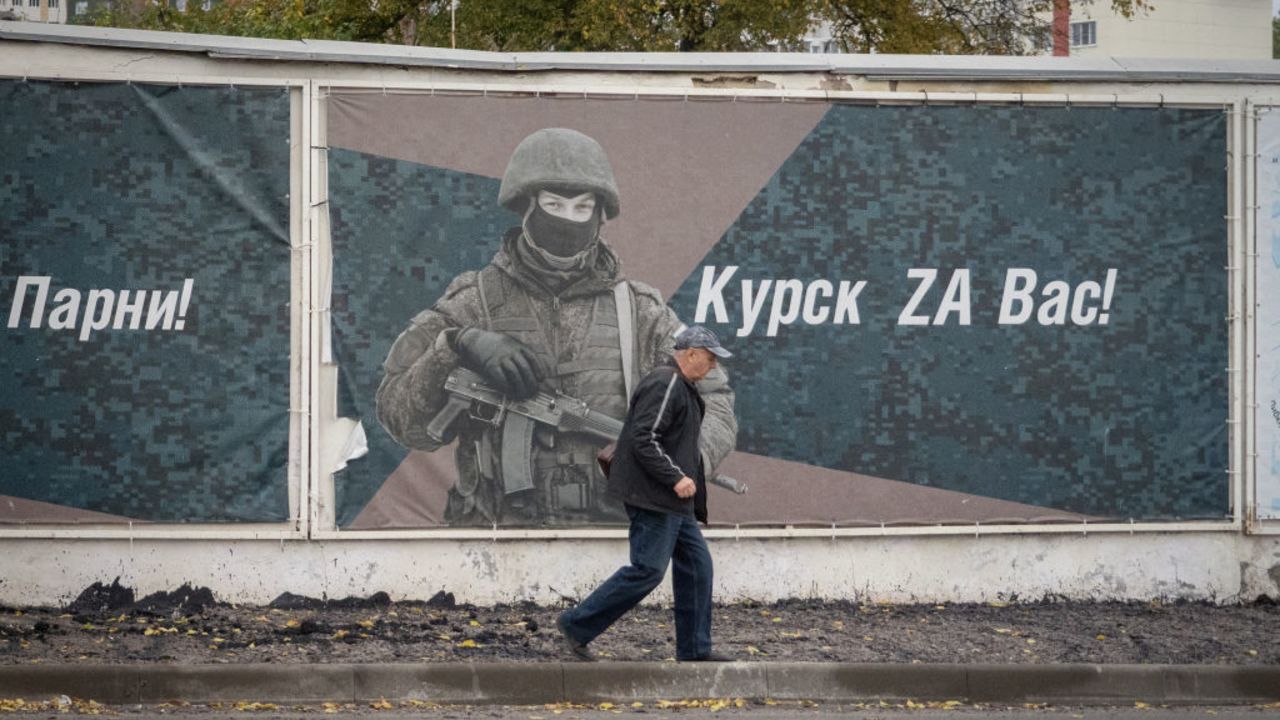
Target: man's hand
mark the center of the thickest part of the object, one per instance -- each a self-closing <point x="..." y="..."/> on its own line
<point x="501" y="359"/>
<point x="686" y="488"/>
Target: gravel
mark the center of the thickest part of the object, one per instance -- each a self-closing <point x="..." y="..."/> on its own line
<point x="187" y="625"/>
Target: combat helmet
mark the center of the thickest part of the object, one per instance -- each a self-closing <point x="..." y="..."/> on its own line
<point x="558" y="157"/>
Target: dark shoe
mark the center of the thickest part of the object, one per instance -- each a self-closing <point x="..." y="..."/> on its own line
<point x="712" y="656"/>
<point x="578" y="649"/>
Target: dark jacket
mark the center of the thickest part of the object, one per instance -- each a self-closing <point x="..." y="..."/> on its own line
<point x="659" y="445"/>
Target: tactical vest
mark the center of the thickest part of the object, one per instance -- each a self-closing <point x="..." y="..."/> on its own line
<point x="585" y="362"/>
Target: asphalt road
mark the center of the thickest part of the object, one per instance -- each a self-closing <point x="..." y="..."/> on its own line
<point x="652" y="711"/>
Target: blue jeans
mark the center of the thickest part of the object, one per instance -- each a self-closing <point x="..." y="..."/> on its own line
<point x="656" y="538"/>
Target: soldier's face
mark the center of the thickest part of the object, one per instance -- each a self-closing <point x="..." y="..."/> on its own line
<point x="574" y="209"/>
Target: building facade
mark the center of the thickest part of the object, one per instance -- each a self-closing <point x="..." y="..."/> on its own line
<point x="47" y="11"/>
<point x="1239" y="29"/>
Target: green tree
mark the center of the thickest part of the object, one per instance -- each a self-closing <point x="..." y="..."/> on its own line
<point x="886" y="26"/>
<point x="611" y="25"/>
<point x="289" y="19"/>
<point x="1275" y="37"/>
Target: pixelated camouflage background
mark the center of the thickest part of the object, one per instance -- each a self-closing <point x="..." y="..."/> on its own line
<point x="128" y="186"/>
<point x="401" y="232"/>
<point x="1126" y="420"/>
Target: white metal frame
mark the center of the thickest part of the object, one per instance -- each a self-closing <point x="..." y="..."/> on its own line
<point x="1179" y="98"/>
<point x="311" y="486"/>
<point x="1231" y="103"/>
<point x="1235" y="313"/>
<point x="300" y="425"/>
<point x="1253" y="206"/>
<point x="320" y="492"/>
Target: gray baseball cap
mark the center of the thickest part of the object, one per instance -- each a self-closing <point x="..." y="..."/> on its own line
<point x="697" y="336"/>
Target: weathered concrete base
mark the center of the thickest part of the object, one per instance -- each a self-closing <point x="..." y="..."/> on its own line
<point x="1215" y="566"/>
<point x="537" y="683"/>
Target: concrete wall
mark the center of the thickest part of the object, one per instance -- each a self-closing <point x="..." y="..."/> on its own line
<point x="1220" y="567"/>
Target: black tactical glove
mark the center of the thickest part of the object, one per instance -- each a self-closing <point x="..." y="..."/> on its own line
<point x="501" y="359"/>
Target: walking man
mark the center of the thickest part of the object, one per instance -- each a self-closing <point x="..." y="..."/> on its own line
<point x="658" y="475"/>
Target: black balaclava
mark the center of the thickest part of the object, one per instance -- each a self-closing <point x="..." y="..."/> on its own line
<point x="564" y="240"/>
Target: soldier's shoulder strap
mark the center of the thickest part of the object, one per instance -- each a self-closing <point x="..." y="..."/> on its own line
<point x="489" y="283"/>
<point x="626" y="334"/>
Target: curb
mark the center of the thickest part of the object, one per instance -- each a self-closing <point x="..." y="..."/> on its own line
<point x="555" y="682"/>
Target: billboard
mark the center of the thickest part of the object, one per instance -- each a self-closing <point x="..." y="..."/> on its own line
<point x="940" y="314"/>
<point x="145" y="269"/>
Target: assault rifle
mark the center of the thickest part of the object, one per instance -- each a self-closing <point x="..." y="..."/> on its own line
<point x="469" y="393"/>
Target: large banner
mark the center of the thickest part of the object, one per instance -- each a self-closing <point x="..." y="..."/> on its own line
<point x="144" y="275"/>
<point x="1268" y="314"/>
<point x="939" y="314"/>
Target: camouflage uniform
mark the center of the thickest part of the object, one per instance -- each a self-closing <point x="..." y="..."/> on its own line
<point x="574" y="333"/>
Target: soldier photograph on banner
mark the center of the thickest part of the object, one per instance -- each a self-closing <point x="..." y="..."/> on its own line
<point x="529" y="362"/>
